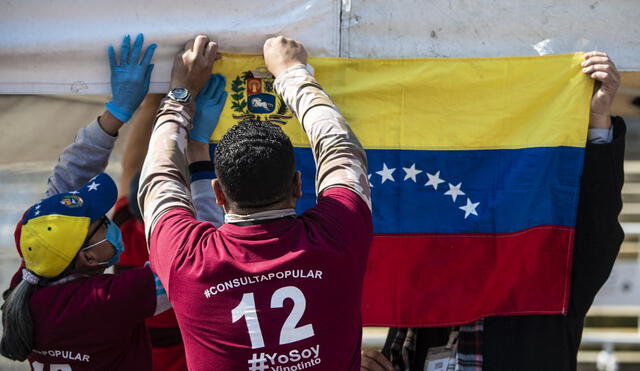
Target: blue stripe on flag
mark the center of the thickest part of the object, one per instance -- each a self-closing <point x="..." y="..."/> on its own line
<point x="509" y="190"/>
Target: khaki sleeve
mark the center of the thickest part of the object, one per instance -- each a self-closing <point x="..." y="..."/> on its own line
<point x="164" y="182"/>
<point x="339" y="156"/>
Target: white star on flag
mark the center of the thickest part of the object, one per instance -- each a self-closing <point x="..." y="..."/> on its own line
<point x="454" y="191"/>
<point x="386" y="173"/>
<point x="93" y="186"/>
<point x="434" y="180"/>
<point x="411" y="172"/>
<point x="469" y="208"/>
<point x="370" y="184"/>
<point x="37" y="206"/>
<point x="37" y="212"/>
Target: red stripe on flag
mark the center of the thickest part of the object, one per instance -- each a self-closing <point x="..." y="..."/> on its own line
<point x="423" y="280"/>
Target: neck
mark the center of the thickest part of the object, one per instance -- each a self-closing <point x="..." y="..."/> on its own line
<point x="281" y="210"/>
<point x="284" y="204"/>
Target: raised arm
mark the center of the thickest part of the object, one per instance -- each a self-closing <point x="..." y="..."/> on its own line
<point x="209" y="105"/>
<point x="138" y="141"/>
<point x="340" y="158"/>
<point x="598" y="231"/>
<point x="165" y="174"/>
<point x="89" y="154"/>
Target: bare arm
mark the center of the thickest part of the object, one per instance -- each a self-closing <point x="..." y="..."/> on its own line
<point x="138" y="140"/>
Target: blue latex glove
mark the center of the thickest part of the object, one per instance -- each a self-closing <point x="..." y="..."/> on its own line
<point x="129" y="79"/>
<point x="209" y="104"/>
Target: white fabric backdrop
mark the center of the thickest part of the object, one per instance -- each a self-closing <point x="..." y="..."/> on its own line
<point x="60" y="46"/>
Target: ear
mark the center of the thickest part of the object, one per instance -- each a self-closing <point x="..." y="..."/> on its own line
<point x="221" y="200"/>
<point x="296" y="188"/>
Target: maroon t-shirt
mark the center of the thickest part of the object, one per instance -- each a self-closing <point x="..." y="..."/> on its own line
<point x="94" y="323"/>
<point x="283" y="293"/>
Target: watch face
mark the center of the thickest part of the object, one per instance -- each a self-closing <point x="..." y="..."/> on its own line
<point x="179" y="93"/>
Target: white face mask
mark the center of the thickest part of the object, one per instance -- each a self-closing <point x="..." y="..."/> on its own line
<point x="96" y="244"/>
<point x="114" y="237"/>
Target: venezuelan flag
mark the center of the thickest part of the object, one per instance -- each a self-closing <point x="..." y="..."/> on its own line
<point x="475" y="169"/>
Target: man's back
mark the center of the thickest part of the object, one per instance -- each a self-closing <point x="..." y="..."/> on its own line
<point x="282" y="293"/>
<point x="269" y="290"/>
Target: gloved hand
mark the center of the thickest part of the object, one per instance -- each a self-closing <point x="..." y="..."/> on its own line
<point x="209" y="104"/>
<point x="129" y="79"/>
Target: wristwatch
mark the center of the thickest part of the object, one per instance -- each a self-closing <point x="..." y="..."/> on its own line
<point x="181" y="95"/>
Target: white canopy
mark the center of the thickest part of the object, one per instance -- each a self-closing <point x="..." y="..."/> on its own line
<point x="59" y="47"/>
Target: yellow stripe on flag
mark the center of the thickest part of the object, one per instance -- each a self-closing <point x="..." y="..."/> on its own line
<point x="434" y="103"/>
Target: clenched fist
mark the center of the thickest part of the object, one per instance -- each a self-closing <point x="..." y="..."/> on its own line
<point x="192" y="66"/>
<point x="281" y="53"/>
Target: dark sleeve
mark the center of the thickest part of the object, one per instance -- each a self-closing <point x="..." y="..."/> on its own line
<point x="128" y="297"/>
<point x="598" y="232"/>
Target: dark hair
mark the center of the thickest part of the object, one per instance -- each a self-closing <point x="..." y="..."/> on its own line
<point x="17" y="332"/>
<point x="255" y="165"/>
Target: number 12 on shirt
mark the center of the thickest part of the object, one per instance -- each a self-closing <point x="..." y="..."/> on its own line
<point x="289" y="332"/>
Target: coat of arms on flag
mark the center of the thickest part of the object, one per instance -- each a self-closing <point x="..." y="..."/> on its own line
<point x="253" y="97"/>
<point x="475" y="169"/>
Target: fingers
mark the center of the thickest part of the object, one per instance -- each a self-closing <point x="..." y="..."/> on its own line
<point x="218" y="87"/>
<point x="192" y="66"/>
<point x="222" y="98"/>
<point x="604" y="70"/>
<point x="374" y="361"/>
<point x="605" y="73"/>
<point x="214" y="89"/>
<point x="604" y="77"/>
<point x="112" y="56"/>
<point x="124" y="50"/>
<point x="595" y="58"/>
<point x="189" y="45"/>
<point x="148" y="54"/>
<point x="601" y="68"/>
<point x="207" y="89"/>
<point x="211" y="51"/>
<point x="594" y="53"/>
<point x="200" y="44"/>
<point x="147" y="75"/>
<point x="137" y="49"/>
<point x="281" y="53"/>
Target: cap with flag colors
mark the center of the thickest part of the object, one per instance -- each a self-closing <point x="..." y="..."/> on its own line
<point x="475" y="169"/>
<point x="54" y="229"/>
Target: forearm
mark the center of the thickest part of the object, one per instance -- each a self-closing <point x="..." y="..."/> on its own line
<point x="340" y="158"/>
<point x="86" y="157"/>
<point x="164" y="182"/>
<point x="138" y="140"/>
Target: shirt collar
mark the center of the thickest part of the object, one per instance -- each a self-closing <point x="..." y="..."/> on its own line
<point x="261" y="215"/>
